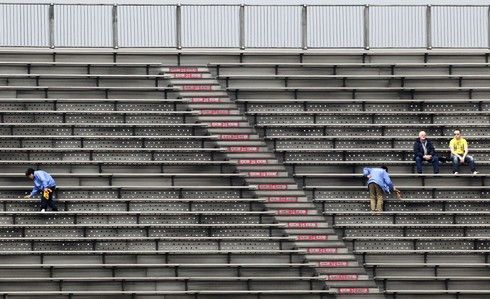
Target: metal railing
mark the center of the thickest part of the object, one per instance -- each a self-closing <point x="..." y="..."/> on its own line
<point x="244" y="26"/>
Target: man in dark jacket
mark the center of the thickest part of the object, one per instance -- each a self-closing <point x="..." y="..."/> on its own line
<point x="423" y="150"/>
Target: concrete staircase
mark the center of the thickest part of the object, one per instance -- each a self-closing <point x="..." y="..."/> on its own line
<point x="271" y="181"/>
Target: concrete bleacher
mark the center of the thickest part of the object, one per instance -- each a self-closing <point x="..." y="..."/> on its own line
<point x="149" y="206"/>
<point x="168" y="187"/>
<point x="328" y="120"/>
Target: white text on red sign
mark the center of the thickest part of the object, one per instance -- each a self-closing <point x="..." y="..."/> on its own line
<point x="282" y="199"/>
<point x="273" y="187"/>
<point x="187" y="76"/>
<point x="225" y="124"/>
<point x="263" y="173"/>
<point x="333" y="264"/>
<point x="252" y="161"/>
<point x="215" y="112"/>
<point x="322" y="250"/>
<point x="312" y="238"/>
<point x="292" y="212"/>
<point x="302" y="224"/>
<point x="196" y="87"/>
<point x="353" y="290"/>
<point x="235" y="149"/>
<point x="205" y="100"/>
<point x="183" y="69"/>
<point x="234" y="137"/>
<point x="342" y="277"/>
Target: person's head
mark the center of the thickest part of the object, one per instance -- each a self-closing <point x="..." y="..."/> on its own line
<point x="457" y="134"/>
<point x="30" y="173"/>
<point x="384" y="167"/>
<point x="422" y="136"/>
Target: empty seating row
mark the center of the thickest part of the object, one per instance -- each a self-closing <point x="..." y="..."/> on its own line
<point x="352" y="115"/>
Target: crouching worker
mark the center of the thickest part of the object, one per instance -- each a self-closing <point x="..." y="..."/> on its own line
<point x="379" y="183"/>
<point x="44" y="183"/>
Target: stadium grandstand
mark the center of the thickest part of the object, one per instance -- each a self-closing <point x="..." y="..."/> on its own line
<point x="217" y="151"/>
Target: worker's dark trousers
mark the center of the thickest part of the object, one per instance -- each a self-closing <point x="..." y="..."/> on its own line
<point x="47" y="198"/>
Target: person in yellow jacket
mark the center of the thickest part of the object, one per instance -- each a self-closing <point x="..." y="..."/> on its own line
<point x="459" y="153"/>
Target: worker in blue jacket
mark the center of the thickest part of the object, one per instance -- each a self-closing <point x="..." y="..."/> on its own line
<point x="379" y="183"/>
<point x="44" y="183"/>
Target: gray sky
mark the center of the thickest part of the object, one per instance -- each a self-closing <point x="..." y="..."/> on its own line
<point x="456" y="2"/>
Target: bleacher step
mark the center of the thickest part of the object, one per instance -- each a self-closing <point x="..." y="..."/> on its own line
<point x="192" y="94"/>
<point x="285" y="198"/>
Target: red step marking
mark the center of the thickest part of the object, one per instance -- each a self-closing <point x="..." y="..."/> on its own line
<point x="215" y="112"/>
<point x="239" y="149"/>
<point x="252" y="161"/>
<point x="224" y="124"/>
<point x="292" y="212"/>
<point x="353" y="290"/>
<point x="333" y="264"/>
<point x="263" y="173"/>
<point x="205" y="100"/>
<point x="282" y="199"/>
<point x="312" y="238"/>
<point x="183" y="69"/>
<point x="302" y="224"/>
<point x="234" y="137"/>
<point x="186" y="76"/>
<point x="196" y="87"/>
<point x="342" y="277"/>
<point x="273" y="187"/>
<point x="322" y="250"/>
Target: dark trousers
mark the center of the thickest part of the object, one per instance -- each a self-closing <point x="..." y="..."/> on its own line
<point x="468" y="160"/>
<point x="434" y="161"/>
<point x="47" y="198"/>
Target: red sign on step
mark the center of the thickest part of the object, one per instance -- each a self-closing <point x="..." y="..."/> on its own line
<point x="241" y="149"/>
<point x="292" y="212"/>
<point x="224" y="124"/>
<point x="263" y="173"/>
<point x="183" y="69"/>
<point x="205" y="100"/>
<point x="312" y="238"/>
<point x="273" y="187"/>
<point x="186" y="76"/>
<point x="197" y="87"/>
<point x="353" y="290"/>
<point x="282" y="199"/>
<point x="215" y="112"/>
<point x="234" y="137"/>
<point x="302" y="224"/>
<point x="322" y="250"/>
<point x="333" y="264"/>
<point x="342" y="277"/>
<point x="252" y="161"/>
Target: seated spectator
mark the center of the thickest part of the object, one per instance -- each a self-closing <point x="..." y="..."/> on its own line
<point x="423" y="150"/>
<point x="379" y="182"/>
<point x="459" y="153"/>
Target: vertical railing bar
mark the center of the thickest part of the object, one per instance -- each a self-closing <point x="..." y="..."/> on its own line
<point x="428" y="16"/>
<point x="51" y="25"/>
<point x="304" y="27"/>
<point x="115" y="40"/>
<point x="242" y="26"/>
<point x="178" y="27"/>
<point x="366" y="27"/>
<point x="488" y="27"/>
